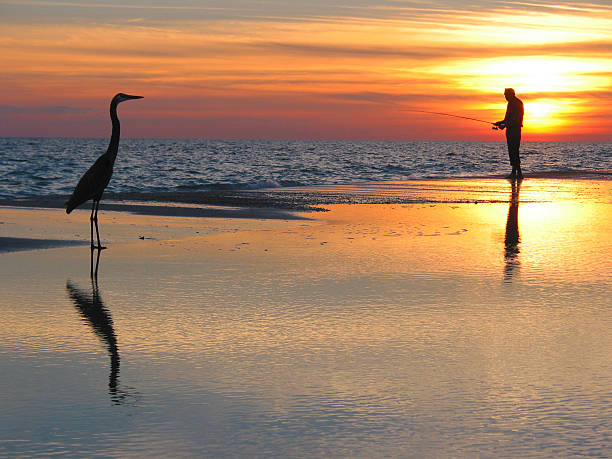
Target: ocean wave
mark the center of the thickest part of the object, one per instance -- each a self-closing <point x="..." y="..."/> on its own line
<point x="237" y="186"/>
<point x="53" y="166"/>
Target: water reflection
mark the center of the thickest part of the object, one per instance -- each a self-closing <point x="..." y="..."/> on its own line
<point x="512" y="239"/>
<point x="95" y="313"/>
<point x="93" y="272"/>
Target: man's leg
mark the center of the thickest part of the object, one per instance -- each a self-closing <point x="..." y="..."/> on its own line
<point x="514" y="145"/>
<point x="511" y="156"/>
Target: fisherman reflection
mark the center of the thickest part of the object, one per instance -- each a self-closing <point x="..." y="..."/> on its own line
<point x="93" y="311"/>
<point x="512" y="239"/>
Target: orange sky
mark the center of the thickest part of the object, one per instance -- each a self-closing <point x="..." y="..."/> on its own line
<point x="305" y="70"/>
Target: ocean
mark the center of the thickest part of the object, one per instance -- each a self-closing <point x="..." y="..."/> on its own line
<point x="35" y="167"/>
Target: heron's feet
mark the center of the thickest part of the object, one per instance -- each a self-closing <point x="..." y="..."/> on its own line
<point x="97" y="247"/>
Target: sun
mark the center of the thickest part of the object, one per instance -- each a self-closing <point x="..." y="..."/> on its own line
<point x="544" y="113"/>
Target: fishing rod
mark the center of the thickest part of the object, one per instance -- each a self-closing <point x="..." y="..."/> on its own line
<point x="449" y="114"/>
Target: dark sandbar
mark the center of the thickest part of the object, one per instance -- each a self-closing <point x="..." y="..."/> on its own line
<point x="209" y="204"/>
<point x="18" y="244"/>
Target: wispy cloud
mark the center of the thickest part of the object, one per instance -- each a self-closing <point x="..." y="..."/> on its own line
<point x="126" y="6"/>
<point x="43" y="110"/>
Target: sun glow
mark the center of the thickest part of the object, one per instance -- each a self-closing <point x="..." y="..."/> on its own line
<point x="534" y="74"/>
<point x="550" y="88"/>
<point x="547" y="114"/>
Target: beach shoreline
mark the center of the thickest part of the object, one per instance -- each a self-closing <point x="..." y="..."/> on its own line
<point x="140" y="210"/>
<point x="209" y="203"/>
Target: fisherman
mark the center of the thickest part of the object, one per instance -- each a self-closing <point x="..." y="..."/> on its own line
<point x="513" y="122"/>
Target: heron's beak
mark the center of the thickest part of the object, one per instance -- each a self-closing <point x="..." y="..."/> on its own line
<point x="133" y="97"/>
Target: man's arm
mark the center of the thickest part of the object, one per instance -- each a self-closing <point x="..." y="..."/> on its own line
<point x="503" y="123"/>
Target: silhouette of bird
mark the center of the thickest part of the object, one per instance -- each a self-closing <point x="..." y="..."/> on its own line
<point x="98" y="316"/>
<point x="94" y="181"/>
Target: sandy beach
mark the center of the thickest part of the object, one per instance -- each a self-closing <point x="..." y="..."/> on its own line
<point x="415" y="319"/>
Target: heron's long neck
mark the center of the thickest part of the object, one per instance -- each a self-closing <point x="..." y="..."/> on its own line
<point x="113" y="146"/>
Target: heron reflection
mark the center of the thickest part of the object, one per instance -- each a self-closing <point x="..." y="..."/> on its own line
<point x="94" y="312"/>
<point x="93" y="271"/>
<point x="512" y="239"/>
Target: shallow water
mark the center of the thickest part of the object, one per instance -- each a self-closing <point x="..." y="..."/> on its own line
<point x="42" y="166"/>
<point x="414" y="330"/>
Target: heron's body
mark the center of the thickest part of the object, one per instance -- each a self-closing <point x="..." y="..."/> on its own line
<point x="93" y="182"/>
<point x="96" y="179"/>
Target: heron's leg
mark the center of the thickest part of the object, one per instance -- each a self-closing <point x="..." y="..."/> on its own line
<point x="96" y="222"/>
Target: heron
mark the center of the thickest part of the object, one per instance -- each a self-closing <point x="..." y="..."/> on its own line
<point x="94" y="181"/>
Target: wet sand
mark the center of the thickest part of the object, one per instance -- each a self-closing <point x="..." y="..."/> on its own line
<point x="36" y="223"/>
<point x="427" y="319"/>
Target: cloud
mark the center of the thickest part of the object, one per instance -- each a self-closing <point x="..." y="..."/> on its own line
<point x="387" y="98"/>
<point x="43" y="110"/>
<point x="424" y="52"/>
<point x="556" y="7"/>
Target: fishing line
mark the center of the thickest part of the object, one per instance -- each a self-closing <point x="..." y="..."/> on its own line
<point x="447" y="114"/>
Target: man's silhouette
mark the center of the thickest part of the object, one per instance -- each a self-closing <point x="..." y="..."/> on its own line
<point x="513" y="122"/>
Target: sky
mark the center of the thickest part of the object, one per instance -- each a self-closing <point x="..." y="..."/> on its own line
<point x="294" y="69"/>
